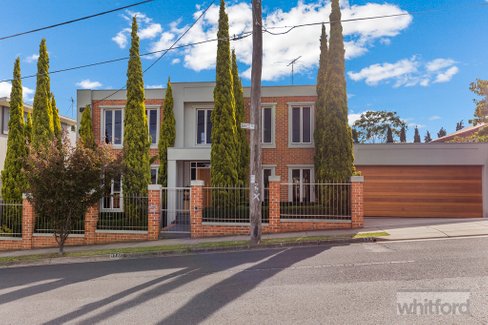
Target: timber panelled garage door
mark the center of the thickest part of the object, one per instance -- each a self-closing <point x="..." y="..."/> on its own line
<point x="423" y="191"/>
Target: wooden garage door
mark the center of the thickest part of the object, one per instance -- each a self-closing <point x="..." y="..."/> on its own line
<point x="422" y="191"/>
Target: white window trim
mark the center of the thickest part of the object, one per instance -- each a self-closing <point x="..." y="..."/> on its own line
<point x="290" y="181"/>
<point x="292" y="144"/>
<point x="102" y="124"/>
<point x="273" y="171"/>
<point x="157" y="172"/>
<point x="158" y="124"/>
<point x="271" y="144"/>
<point x="3" y="119"/>
<point x="202" y="108"/>
<point x="121" y="199"/>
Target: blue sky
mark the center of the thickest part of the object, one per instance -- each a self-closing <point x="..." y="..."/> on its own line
<point x="419" y="65"/>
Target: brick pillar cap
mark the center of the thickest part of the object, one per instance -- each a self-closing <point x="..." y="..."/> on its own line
<point x="357" y="179"/>
<point x="154" y="187"/>
<point x="274" y="178"/>
<point x="197" y="183"/>
<point x="25" y="196"/>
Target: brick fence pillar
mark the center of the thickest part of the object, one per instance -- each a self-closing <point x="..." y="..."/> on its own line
<point x="357" y="201"/>
<point x="274" y="203"/>
<point x="91" y="220"/>
<point x="196" y="209"/>
<point x="28" y="222"/>
<point x="154" y="212"/>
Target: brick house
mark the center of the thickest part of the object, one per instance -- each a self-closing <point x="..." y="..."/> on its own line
<point x="401" y="180"/>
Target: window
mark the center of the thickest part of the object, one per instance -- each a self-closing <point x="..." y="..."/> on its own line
<point x="112" y="126"/>
<point x="267" y="172"/>
<point x="204" y="126"/>
<point x="5" y="119"/>
<point x="267" y="128"/>
<point x="301" y="188"/>
<point x="153" y="123"/>
<point x="301" y="124"/>
<point x="154" y="174"/>
<point x="114" y="200"/>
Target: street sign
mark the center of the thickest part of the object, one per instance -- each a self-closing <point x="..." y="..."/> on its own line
<point x="248" y="126"/>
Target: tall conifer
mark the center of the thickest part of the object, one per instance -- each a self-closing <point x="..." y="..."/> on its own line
<point x="167" y="135"/>
<point x="86" y="128"/>
<point x="137" y="168"/>
<point x="403" y="135"/>
<point x="28" y="128"/>
<point x="224" y="155"/>
<point x="242" y="143"/>
<point x="416" y="136"/>
<point x="13" y="178"/>
<point x="42" y="124"/>
<point x="389" y="135"/>
<point x="58" y="131"/>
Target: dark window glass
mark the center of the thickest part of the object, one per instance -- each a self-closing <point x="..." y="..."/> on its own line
<point x="154" y="175"/>
<point x="295" y="176"/>
<point x="267" y="125"/>
<point x="200" y="127"/>
<point x="266" y="175"/>
<point x="306" y="124"/>
<point x="209" y="126"/>
<point x="108" y="126"/>
<point x="306" y="185"/>
<point x="295" y="124"/>
<point x="118" y="127"/>
<point x="153" y="125"/>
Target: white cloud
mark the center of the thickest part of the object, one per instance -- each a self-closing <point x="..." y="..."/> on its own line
<point x="32" y="58"/>
<point x="407" y="72"/>
<point x="153" y="86"/>
<point x="150" y="32"/>
<point x="353" y="117"/>
<point x="278" y="50"/>
<point x="434" y="118"/>
<point x="6" y="87"/>
<point x="121" y="38"/>
<point x="147" y="28"/>
<point x="88" y="84"/>
<point x="175" y="61"/>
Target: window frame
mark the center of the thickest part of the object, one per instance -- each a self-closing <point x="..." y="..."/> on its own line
<point x="103" y="109"/>
<point x="205" y="109"/>
<point x="271" y="106"/>
<point x="5" y="125"/>
<point x="112" y="193"/>
<point x="156" y="108"/>
<point x="301" y="143"/>
<point x="156" y="167"/>
<point x="290" y="182"/>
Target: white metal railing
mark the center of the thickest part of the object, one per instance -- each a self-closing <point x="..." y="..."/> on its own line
<point x="10" y="218"/>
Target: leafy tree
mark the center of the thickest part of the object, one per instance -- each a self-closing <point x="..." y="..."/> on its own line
<point x="58" y="131"/>
<point x="442" y="133"/>
<point x="137" y="168"/>
<point x="13" y="177"/>
<point x="480" y="136"/>
<point x="389" y="135"/>
<point x="480" y="88"/>
<point x="403" y="134"/>
<point x="86" y="128"/>
<point x="167" y="135"/>
<point x="28" y="128"/>
<point x="427" y="137"/>
<point x="416" y="136"/>
<point x="42" y="125"/>
<point x="355" y="136"/>
<point x="334" y="158"/>
<point x="459" y="125"/>
<point x="224" y="156"/>
<point x="372" y="126"/>
<point x="65" y="181"/>
<point x="242" y="143"/>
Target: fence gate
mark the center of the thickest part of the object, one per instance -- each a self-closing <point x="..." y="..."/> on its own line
<point x="175" y="211"/>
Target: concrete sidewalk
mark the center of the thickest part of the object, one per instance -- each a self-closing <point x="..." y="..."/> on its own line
<point x="398" y="228"/>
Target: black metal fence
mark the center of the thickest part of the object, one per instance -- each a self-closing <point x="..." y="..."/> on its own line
<point x="128" y="212"/>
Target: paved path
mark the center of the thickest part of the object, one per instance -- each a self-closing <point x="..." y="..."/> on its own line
<point x="398" y="228"/>
<point x="345" y="284"/>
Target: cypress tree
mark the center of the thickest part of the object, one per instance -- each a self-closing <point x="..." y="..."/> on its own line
<point x="442" y="133"/>
<point x="336" y="160"/>
<point x="86" y="128"/>
<point x="137" y="168"/>
<point x="42" y="125"/>
<point x="427" y="137"/>
<point x="13" y="178"/>
<point x="58" y="132"/>
<point x="416" y="137"/>
<point x="28" y="128"/>
<point x="403" y="135"/>
<point x="243" y="145"/>
<point x="167" y="135"/>
<point x="389" y="135"/>
<point x="320" y="133"/>
<point x="224" y="156"/>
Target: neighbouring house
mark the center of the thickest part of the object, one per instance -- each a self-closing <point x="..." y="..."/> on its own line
<point x="463" y="133"/>
<point x="401" y="180"/>
<point x="68" y="125"/>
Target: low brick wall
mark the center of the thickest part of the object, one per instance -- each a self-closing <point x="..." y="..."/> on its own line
<point x="200" y="229"/>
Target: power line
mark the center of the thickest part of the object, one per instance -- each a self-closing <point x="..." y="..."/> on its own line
<point x="168" y="49"/>
<point x="74" y="20"/>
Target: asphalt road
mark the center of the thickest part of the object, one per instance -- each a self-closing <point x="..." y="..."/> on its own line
<point x="347" y="284"/>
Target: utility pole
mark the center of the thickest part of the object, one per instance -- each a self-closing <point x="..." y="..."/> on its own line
<point x="292" y="63"/>
<point x="255" y="200"/>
